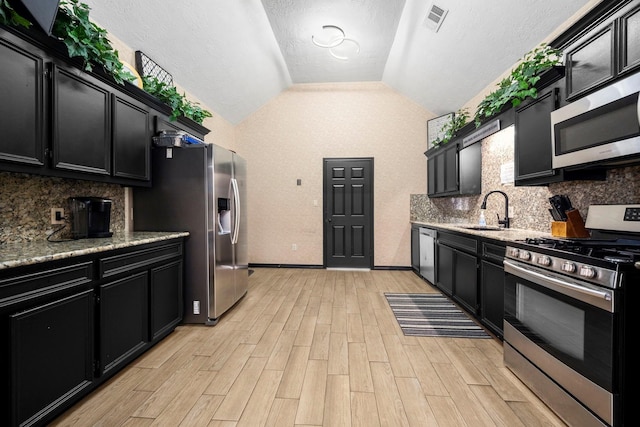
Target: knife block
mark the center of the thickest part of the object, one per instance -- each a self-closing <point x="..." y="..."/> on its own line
<point x="572" y="227"/>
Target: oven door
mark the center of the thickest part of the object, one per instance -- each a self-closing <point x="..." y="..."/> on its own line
<point x="566" y="329"/>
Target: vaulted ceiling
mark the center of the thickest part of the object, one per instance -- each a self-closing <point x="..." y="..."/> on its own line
<point x="237" y="55"/>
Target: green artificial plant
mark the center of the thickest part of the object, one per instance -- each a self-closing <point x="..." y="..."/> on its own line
<point x="520" y="84"/>
<point x="87" y="40"/>
<point x="449" y="130"/>
<point x="8" y="16"/>
<point x="180" y="105"/>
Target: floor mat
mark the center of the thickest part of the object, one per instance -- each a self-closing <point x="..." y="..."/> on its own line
<point x="432" y="315"/>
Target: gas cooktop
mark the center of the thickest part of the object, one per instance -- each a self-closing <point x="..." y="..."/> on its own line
<point x="612" y="250"/>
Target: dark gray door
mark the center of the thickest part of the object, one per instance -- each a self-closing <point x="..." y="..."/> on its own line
<point x="348" y="213"/>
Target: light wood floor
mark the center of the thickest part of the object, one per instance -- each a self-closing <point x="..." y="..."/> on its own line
<point x="310" y="347"/>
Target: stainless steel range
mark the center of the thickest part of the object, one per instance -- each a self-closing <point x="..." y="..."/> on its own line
<point x="567" y="316"/>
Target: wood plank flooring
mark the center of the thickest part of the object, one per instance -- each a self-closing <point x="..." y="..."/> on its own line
<point x="311" y="347"/>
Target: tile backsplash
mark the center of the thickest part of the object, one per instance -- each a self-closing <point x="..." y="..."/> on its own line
<point x="530" y="204"/>
<point x="26" y="202"/>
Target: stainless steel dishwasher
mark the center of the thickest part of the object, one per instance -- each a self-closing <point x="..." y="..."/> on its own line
<point x="428" y="254"/>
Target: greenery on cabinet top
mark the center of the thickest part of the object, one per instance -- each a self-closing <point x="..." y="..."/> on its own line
<point x="519" y="85"/>
<point x="89" y="42"/>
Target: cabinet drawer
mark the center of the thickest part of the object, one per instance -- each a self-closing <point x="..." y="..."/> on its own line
<point x="24" y="287"/>
<point x="464" y="243"/>
<point x="114" y="265"/>
<point x="493" y="252"/>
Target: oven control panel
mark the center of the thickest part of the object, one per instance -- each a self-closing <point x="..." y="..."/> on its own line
<point x="619" y="218"/>
<point x="597" y="275"/>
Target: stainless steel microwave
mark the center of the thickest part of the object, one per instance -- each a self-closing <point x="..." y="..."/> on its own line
<point x="600" y="128"/>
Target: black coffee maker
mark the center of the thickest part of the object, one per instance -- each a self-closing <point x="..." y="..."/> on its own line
<point x="91" y="217"/>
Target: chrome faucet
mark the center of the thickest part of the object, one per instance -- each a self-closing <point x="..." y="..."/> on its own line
<point x="504" y="221"/>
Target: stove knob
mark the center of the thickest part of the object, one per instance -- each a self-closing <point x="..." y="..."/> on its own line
<point x="514" y="252"/>
<point x="569" y="267"/>
<point x="588" y="272"/>
<point x="544" y="260"/>
<point x="525" y="255"/>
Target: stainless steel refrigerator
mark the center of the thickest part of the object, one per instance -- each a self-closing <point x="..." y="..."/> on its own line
<point x="201" y="189"/>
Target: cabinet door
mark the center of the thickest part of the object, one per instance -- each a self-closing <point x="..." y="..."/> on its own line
<point x="124" y="323"/>
<point x="533" y="154"/>
<point x="51" y="356"/>
<point x="21" y="119"/>
<point x="451" y="169"/>
<point x="431" y="176"/>
<point x="465" y="289"/>
<point x="630" y="40"/>
<point x="166" y="298"/>
<point x="131" y="139"/>
<point x="492" y="296"/>
<point x="440" y="163"/>
<point x="81" y="123"/>
<point x="590" y="63"/>
<point x="445" y="271"/>
<point x="415" y="248"/>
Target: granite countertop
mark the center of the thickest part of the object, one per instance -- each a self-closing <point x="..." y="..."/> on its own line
<point x="19" y="254"/>
<point x="507" y="235"/>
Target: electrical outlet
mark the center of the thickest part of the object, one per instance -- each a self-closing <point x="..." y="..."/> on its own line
<point x="196" y="307"/>
<point x="294" y="247"/>
<point x="512" y="212"/>
<point x="57" y="216"/>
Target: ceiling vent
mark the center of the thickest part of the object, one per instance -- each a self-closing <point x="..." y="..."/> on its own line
<point x="435" y="17"/>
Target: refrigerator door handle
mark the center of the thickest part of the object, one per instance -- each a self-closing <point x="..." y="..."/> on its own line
<point x="236" y="219"/>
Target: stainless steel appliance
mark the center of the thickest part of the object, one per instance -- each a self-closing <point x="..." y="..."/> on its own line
<point x="567" y="316"/>
<point x="427" y="254"/>
<point x="90" y="217"/>
<point x="201" y="189"/>
<point x="601" y="128"/>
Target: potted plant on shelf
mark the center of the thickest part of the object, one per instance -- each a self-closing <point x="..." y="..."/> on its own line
<point x="180" y="105"/>
<point x="520" y="84"/>
<point x="450" y="128"/>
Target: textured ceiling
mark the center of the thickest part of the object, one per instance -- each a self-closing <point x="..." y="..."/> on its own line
<point x="235" y="56"/>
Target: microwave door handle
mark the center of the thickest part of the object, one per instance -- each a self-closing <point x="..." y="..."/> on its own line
<point x="590" y="296"/>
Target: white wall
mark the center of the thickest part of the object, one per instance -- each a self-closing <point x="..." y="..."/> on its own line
<point x="287" y="140"/>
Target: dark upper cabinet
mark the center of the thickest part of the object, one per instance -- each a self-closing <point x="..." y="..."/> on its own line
<point x="630" y="40"/>
<point x="81" y="122"/>
<point x="601" y="47"/>
<point x="591" y="62"/>
<point x="532" y="150"/>
<point x="131" y="138"/>
<point x="453" y="171"/>
<point x="21" y="119"/>
<point x="65" y="122"/>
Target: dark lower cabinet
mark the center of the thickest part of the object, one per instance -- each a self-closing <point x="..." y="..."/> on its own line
<point x="51" y="356"/>
<point x="445" y="267"/>
<point x="124" y="319"/>
<point x="466" y="281"/>
<point x="457" y="269"/>
<point x="67" y="326"/>
<point x="492" y="286"/>
<point x="166" y="290"/>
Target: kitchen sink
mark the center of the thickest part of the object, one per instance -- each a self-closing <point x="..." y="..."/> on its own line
<point x="482" y="227"/>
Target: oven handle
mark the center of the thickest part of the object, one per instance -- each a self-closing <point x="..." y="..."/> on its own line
<point x="601" y="299"/>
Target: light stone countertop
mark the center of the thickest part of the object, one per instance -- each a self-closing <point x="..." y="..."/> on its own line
<point x="506" y="235"/>
<point x="19" y="254"/>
